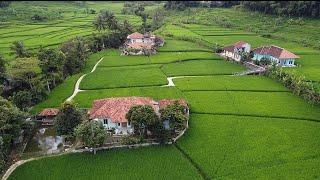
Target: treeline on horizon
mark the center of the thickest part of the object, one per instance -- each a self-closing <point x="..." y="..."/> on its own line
<point x="281" y="8"/>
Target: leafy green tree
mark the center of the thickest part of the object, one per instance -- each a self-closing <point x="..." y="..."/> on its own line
<point x="67" y="119"/>
<point x="51" y="64"/>
<point x="126" y="27"/>
<point x="92" y="133"/>
<point x="142" y="117"/>
<point x="2" y="160"/>
<point x="157" y="19"/>
<point x="22" y="99"/>
<point x="2" y="69"/>
<point x="76" y="52"/>
<point x="175" y="115"/>
<point x="99" y="23"/>
<point x="12" y="121"/>
<point x="18" y="48"/>
<point x="4" y="4"/>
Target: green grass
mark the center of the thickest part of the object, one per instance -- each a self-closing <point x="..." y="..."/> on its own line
<point x="271" y="104"/>
<point x="233" y="147"/>
<point x="85" y="99"/>
<point x="201" y="67"/>
<point x="159" y="58"/>
<point x="54" y="31"/>
<point x="308" y="66"/>
<point x="142" y="163"/>
<point x="104" y="78"/>
<point x="58" y="95"/>
<point x="179" y="45"/>
<point x="232" y="83"/>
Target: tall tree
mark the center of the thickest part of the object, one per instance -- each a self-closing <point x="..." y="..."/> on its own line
<point x="51" y="64"/>
<point x="142" y="117"/>
<point x="67" y="119"/>
<point x="99" y="23"/>
<point x="12" y="121"/>
<point x="175" y="115"/>
<point x="18" y="48"/>
<point x="76" y="52"/>
<point x="22" y="99"/>
<point x="92" y="133"/>
<point x="2" y="69"/>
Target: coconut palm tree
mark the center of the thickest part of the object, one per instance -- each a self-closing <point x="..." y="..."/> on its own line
<point x="99" y="23"/>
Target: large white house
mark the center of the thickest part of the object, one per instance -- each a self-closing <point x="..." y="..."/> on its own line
<point x="138" y="44"/>
<point x="112" y="111"/>
<point x="276" y="54"/>
<point x="234" y="51"/>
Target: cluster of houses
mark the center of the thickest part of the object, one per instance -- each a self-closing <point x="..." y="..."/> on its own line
<point x="273" y="53"/>
<point x="141" y="44"/>
<point x="112" y="112"/>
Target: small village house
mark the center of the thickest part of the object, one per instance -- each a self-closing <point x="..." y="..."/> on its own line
<point x="112" y="111"/>
<point x="140" y="44"/>
<point x="276" y="54"/>
<point x="47" y="116"/>
<point x="234" y="51"/>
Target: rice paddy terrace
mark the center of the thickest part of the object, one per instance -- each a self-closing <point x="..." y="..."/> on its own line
<point x="241" y="127"/>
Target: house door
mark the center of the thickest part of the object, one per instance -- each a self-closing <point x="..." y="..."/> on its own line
<point x="124" y="124"/>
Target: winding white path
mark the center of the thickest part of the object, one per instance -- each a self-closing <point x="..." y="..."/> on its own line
<point x="171" y="83"/>
<point x="77" y="85"/>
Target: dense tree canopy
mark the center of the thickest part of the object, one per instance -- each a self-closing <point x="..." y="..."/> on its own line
<point x="288" y="8"/>
<point x="181" y="5"/>
<point x="76" y="52"/>
<point x="4" y="4"/>
<point x="92" y="133"/>
<point x="18" y="48"/>
<point x="142" y="117"/>
<point x="51" y="64"/>
<point x="67" y="119"/>
<point x="175" y="115"/>
<point x="2" y="69"/>
<point x="12" y="122"/>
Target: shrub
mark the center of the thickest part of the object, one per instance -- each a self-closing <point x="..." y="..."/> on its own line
<point x="130" y="140"/>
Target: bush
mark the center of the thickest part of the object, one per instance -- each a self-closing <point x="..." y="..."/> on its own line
<point x="296" y="83"/>
<point x="130" y="140"/>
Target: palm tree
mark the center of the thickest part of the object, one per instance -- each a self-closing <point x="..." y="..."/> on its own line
<point x="99" y="23"/>
<point x="126" y="27"/>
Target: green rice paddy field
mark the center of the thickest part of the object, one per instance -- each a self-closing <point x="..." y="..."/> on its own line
<point x="241" y="127"/>
<point x="53" y="33"/>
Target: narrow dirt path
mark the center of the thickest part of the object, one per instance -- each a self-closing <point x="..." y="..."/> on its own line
<point x="77" y="85"/>
<point x="171" y="83"/>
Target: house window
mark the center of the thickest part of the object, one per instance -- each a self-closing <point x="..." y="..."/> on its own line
<point x="105" y="121"/>
<point x="118" y="124"/>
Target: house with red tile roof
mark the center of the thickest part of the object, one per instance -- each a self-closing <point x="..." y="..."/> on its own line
<point x="112" y="111"/>
<point x="234" y="51"/>
<point x="138" y="44"/>
<point x="46" y="116"/>
<point x="276" y="54"/>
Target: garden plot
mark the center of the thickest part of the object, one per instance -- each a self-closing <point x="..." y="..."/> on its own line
<point x="233" y="147"/>
<point x="137" y="76"/>
<point x="228" y="83"/>
<point x="201" y="67"/>
<point x="84" y="99"/>
<point x="269" y="104"/>
<point x="143" y="163"/>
